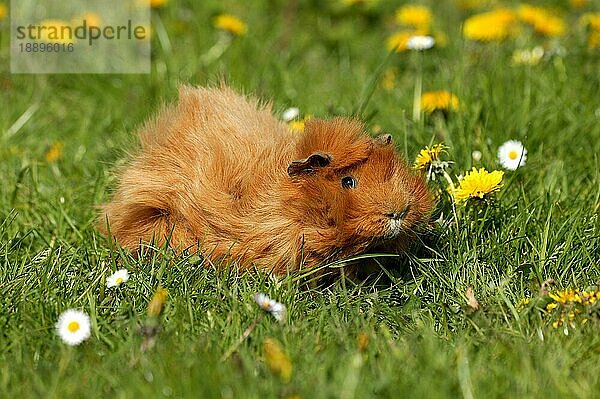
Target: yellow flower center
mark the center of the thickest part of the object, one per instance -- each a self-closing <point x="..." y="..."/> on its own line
<point x="119" y="280"/>
<point x="73" y="326"/>
<point x="513" y="155"/>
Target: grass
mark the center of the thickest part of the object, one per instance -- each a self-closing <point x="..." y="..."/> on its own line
<point x="407" y="332"/>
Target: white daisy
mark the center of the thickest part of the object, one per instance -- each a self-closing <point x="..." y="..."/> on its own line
<point x="117" y="278"/>
<point x="73" y="327"/>
<point x="512" y="154"/>
<point x="269" y="305"/>
<point x="290" y="114"/>
<point x="420" y="42"/>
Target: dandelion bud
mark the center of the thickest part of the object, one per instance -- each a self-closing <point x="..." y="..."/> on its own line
<point x="157" y="303"/>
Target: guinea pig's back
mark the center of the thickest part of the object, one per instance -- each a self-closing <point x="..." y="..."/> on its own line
<point x="215" y="125"/>
<point x="201" y="159"/>
<point x="232" y="119"/>
<point x="236" y="141"/>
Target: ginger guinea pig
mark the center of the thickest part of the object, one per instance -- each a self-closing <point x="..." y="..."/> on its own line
<point x="217" y="173"/>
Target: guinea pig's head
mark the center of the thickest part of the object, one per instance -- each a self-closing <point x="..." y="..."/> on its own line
<point x="355" y="191"/>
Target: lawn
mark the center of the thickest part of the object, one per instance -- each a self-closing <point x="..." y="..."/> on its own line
<point x="483" y="308"/>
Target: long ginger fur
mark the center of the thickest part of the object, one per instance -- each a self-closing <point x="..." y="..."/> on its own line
<point x="216" y="172"/>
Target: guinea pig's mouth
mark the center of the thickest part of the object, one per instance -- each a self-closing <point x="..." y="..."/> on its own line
<point x="394" y="231"/>
<point x="395" y="223"/>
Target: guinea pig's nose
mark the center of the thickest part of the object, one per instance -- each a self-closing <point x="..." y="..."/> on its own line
<point x="399" y="215"/>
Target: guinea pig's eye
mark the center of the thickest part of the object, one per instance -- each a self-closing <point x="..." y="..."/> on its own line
<point x="348" y="182"/>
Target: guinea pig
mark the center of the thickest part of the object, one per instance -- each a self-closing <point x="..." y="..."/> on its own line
<point x="218" y="173"/>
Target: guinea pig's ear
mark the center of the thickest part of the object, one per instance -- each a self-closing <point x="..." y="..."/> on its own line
<point x="309" y="165"/>
<point x="383" y="140"/>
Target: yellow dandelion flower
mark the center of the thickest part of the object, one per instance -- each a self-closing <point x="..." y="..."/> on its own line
<point x="428" y="155"/>
<point x="156" y="304"/>
<point x="550" y="26"/>
<point x="399" y="41"/>
<point x="429" y="159"/>
<point x="3" y="11"/>
<point x="590" y="298"/>
<point x="504" y="16"/>
<point x="591" y="20"/>
<point x="530" y="14"/>
<point x="498" y="25"/>
<point x="478" y="184"/>
<point x="542" y="21"/>
<point x="54" y="152"/>
<point x="92" y="19"/>
<point x="551" y="306"/>
<point x="572" y="315"/>
<point x="277" y="360"/>
<point x="439" y="100"/>
<point x="298" y="125"/>
<point x="415" y="16"/>
<point x="563" y="296"/>
<point x="231" y="23"/>
<point x="522" y="303"/>
<point x="557" y="323"/>
<point x="594" y="40"/>
<point x="571" y="304"/>
<point x="567" y="297"/>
